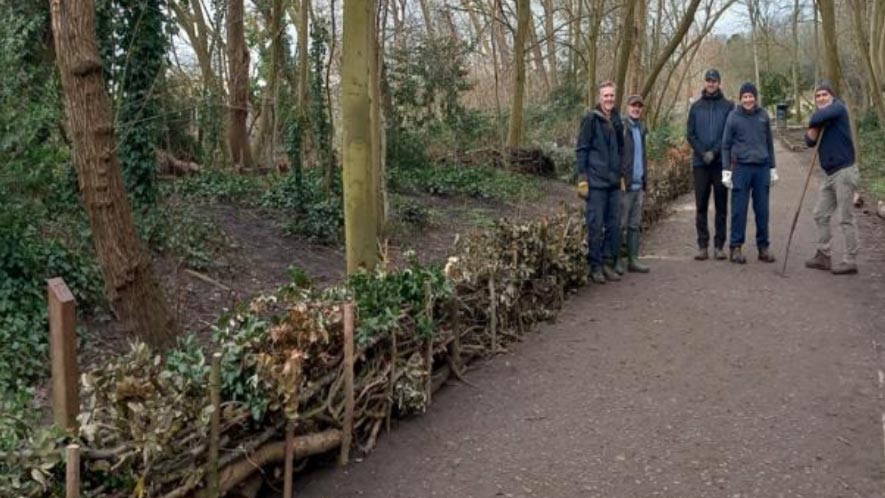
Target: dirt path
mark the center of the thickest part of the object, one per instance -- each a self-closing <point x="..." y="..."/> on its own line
<point x="702" y="379"/>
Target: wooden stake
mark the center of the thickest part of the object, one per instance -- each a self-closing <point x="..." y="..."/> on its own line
<point x="493" y="314"/>
<point x="289" y="462"/>
<point x="347" y="430"/>
<point x="455" y="318"/>
<point x="392" y="381"/>
<point x="428" y="352"/>
<point x="63" y="354"/>
<point x="215" y="425"/>
<point x="72" y="471"/>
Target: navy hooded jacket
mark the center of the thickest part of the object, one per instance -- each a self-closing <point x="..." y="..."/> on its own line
<point x="706" y="121"/>
<point x="837" y="148"/>
<point x="600" y="149"/>
<point x="747" y="138"/>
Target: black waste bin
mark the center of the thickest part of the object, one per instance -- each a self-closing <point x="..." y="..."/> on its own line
<point x="783" y="112"/>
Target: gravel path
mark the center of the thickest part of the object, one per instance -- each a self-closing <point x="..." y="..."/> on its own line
<point x="701" y="379"/>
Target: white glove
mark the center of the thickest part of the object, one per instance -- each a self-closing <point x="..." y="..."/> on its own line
<point x="726" y="178"/>
<point x="774" y="177"/>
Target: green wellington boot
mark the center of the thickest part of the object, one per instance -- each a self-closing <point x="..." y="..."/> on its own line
<point x="633" y="264"/>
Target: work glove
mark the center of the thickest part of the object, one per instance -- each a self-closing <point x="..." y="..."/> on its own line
<point x="583" y="189"/>
<point x="726" y="179"/>
<point x="774" y="177"/>
<point x="709" y="156"/>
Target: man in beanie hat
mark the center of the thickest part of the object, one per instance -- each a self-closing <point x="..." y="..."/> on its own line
<point x="599" y="151"/>
<point x="836" y="154"/>
<point x="706" y="122"/>
<point x="633" y="182"/>
<point x="747" y="143"/>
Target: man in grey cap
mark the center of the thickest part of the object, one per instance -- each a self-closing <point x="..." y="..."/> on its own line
<point x="633" y="182"/>
<point x="706" y="122"/>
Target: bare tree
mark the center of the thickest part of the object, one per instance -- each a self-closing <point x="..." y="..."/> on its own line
<point x="238" y="60"/>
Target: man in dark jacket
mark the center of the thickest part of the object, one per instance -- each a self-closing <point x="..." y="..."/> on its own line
<point x="634" y="177"/>
<point x="706" y="121"/>
<point x="599" y="150"/>
<point x="836" y="154"/>
<point x="747" y="143"/>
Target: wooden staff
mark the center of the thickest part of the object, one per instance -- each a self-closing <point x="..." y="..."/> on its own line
<point x="215" y="425"/>
<point x="72" y="471"/>
<point x="428" y="353"/>
<point x="289" y="461"/>
<point x="347" y="430"/>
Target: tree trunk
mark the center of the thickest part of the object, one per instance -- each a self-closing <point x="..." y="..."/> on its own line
<point x="269" y="127"/>
<point x="831" y="48"/>
<point x="864" y="49"/>
<point x="550" y="34"/>
<point x="514" y="133"/>
<point x="538" y="54"/>
<point x="130" y="285"/>
<point x="668" y="50"/>
<point x="360" y="224"/>
<point x="640" y="24"/>
<point x="624" y="52"/>
<point x="428" y="21"/>
<point x="794" y="66"/>
<point x="303" y="84"/>
<point x="470" y="8"/>
<point x="238" y="60"/>
<point x="592" y="39"/>
<point x="376" y="117"/>
<point x="754" y="15"/>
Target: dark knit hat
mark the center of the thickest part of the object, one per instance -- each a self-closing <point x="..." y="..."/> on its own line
<point x="748" y="87"/>
<point x="712" y="74"/>
<point x="826" y="86"/>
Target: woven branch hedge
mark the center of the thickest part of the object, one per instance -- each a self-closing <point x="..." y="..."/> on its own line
<point x="144" y="421"/>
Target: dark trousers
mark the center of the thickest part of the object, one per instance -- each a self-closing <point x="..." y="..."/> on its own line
<point x="755" y="181"/>
<point x="707" y="179"/>
<point x="603" y="232"/>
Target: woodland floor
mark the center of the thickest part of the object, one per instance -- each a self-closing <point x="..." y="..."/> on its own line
<point x="701" y="379"/>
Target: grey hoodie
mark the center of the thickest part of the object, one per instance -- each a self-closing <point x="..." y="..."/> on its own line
<point x="747" y="138"/>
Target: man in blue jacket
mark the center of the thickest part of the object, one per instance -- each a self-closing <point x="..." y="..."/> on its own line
<point x="599" y="150"/>
<point x="706" y="121"/>
<point x="836" y="154"/>
<point x="634" y="175"/>
<point x="748" y="145"/>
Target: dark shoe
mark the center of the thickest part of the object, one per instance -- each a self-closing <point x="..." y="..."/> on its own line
<point x="736" y="256"/>
<point x="845" y="269"/>
<point x="765" y="256"/>
<point x="597" y="277"/>
<point x="820" y="261"/>
<point x="719" y="254"/>
<point x="702" y="254"/>
<point x="633" y="264"/>
<point x="610" y="274"/>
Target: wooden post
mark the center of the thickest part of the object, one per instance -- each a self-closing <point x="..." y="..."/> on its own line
<point x="63" y="354"/>
<point x="493" y="314"/>
<point x="428" y="353"/>
<point x="289" y="463"/>
<point x="72" y="471"/>
<point x="392" y="382"/>
<point x="455" y="318"/>
<point x="347" y="430"/>
<point x="215" y="425"/>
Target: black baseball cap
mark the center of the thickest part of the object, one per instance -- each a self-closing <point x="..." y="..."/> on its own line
<point x="635" y="100"/>
<point x="712" y="74"/>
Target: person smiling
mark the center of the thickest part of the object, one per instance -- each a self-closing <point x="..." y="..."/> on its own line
<point x="747" y="144"/>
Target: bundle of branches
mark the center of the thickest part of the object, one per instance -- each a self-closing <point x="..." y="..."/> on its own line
<point x="668" y="178"/>
<point x="528" y="161"/>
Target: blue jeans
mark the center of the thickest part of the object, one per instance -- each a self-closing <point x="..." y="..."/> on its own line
<point x="603" y="232"/>
<point x="747" y="180"/>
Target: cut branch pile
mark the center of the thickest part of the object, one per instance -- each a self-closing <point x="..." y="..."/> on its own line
<point x="145" y="420"/>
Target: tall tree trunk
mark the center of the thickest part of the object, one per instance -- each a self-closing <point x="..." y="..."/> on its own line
<point x="514" y="133"/>
<point x="578" y="40"/>
<point x="360" y="224"/>
<point x="376" y="117"/>
<point x="667" y="51"/>
<point x="831" y="48"/>
<point x="857" y="13"/>
<point x="817" y="57"/>
<point x="794" y="66"/>
<point x="592" y="49"/>
<point x="269" y="127"/>
<point x="501" y="37"/>
<point x="640" y="23"/>
<point x="754" y="23"/>
<point x="550" y="36"/>
<point x="238" y="60"/>
<point x="538" y="55"/>
<point x="471" y="7"/>
<point x="131" y="287"/>
<point x="626" y="48"/>
<point x="428" y="20"/>
<point x="303" y="84"/>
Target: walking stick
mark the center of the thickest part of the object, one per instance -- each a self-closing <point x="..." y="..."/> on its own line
<point x="814" y="157"/>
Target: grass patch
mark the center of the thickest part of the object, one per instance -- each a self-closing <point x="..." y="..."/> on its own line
<point x="872" y="144"/>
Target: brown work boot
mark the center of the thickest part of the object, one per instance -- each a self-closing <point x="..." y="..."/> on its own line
<point x="736" y="256"/>
<point x="719" y="254"/>
<point x="702" y="254"/>
<point x="765" y="256"/>
<point x="820" y="261"/>
<point x="844" y="268"/>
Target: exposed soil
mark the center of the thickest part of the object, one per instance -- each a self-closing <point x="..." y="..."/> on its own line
<point x="701" y="379"/>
